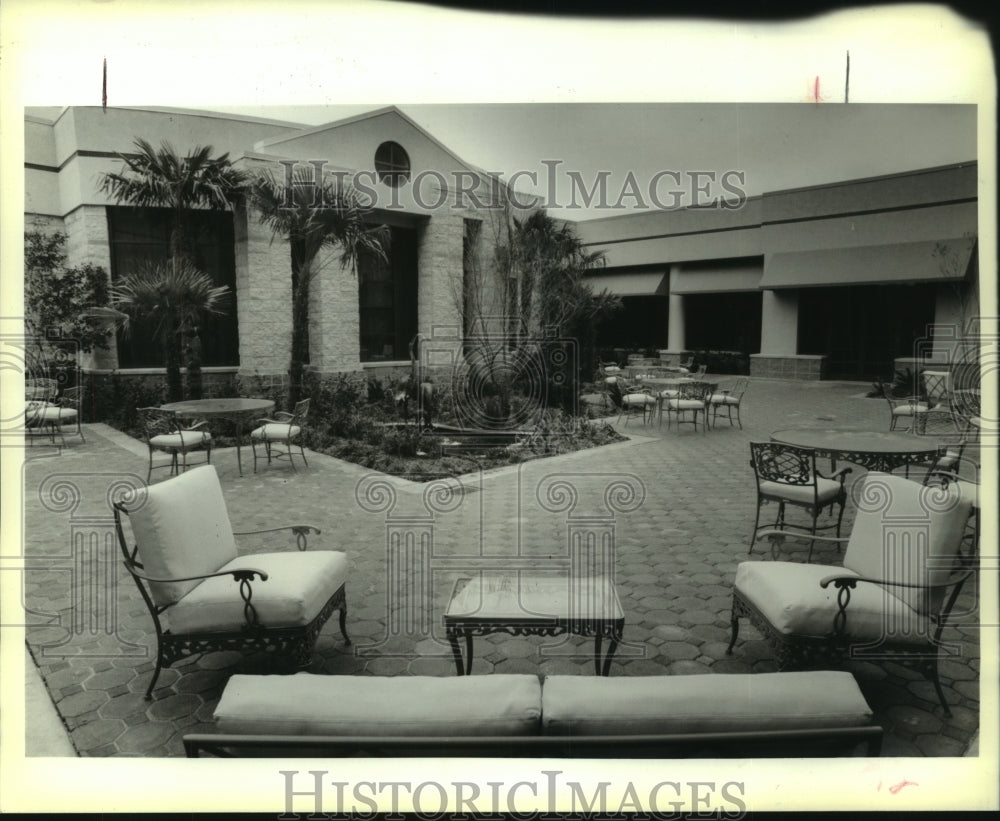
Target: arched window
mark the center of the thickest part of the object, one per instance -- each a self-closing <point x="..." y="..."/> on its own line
<point x="392" y="164"/>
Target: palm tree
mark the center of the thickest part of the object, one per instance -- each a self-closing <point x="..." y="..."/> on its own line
<point x="174" y="299"/>
<point x="313" y="217"/>
<point x="550" y="262"/>
<point x="162" y="178"/>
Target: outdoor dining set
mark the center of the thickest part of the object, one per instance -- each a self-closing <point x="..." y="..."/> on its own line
<point x="911" y="549"/>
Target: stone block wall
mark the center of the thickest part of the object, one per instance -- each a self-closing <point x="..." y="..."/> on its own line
<point x="798" y="366"/>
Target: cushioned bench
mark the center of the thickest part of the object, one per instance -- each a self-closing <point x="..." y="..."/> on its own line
<point x="517" y="715"/>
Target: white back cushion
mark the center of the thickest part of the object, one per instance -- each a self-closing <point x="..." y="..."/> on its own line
<point x="183" y="530"/>
<point x="905" y="532"/>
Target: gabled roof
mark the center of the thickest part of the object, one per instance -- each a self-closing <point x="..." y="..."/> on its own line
<point x="263" y="145"/>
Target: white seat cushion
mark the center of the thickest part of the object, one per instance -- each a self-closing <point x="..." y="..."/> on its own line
<point x="309" y="704"/>
<point x="723" y="399"/>
<point x="181" y="439"/>
<point x="826" y="491"/>
<point x="638" y="400"/>
<point x="788" y="595"/>
<point x="298" y="585"/>
<point x="51" y="414"/>
<point x="276" y="430"/>
<point x="182" y="529"/>
<point x="612" y="369"/>
<point x="714" y="702"/>
<point x="909" y="410"/>
<point x="686" y="404"/>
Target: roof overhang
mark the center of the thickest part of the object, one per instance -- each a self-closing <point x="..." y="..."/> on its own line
<point x="630" y="282"/>
<point x="899" y="263"/>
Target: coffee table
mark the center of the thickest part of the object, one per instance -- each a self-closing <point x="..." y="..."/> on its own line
<point x="524" y="604"/>
<point x="236" y="409"/>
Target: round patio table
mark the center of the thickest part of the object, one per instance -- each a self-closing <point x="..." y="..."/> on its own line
<point x="872" y="450"/>
<point x="236" y="409"/>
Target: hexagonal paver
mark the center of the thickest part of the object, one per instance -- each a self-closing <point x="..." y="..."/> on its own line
<point x="82" y="703"/>
<point x="110" y="678"/>
<point x="173" y="706"/>
<point x="97" y="734"/>
<point x="144" y="738"/>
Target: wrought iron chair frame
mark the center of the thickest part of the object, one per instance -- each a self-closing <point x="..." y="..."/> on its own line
<point x="797" y="652"/>
<point x="696" y="390"/>
<point x="296" y="417"/>
<point x="803" y="460"/>
<point x="294" y="642"/>
<point x="739" y="388"/>
<point x="628" y="410"/>
<point x="71" y="398"/>
<point x="157" y="422"/>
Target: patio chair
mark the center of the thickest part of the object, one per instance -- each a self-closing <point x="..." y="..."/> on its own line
<point x="203" y="597"/>
<point x="891" y="599"/>
<point x="937" y="390"/>
<point x="691" y="398"/>
<point x="51" y="414"/>
<point x="906" y="410"/>
<point x="729" y="399"/>
<point x="163" y="434"/>
<point x="787" y="475"/>
<point x="635" y="401"/>
<point x="282" y="431"/>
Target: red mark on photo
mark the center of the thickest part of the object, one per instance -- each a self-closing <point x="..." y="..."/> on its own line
<point x="904" y="783"/>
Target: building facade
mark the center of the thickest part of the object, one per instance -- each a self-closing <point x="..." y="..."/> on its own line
<point x="831" y="281"/>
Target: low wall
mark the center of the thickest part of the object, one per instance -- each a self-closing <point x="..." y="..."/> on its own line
<point x="797" y="366"/>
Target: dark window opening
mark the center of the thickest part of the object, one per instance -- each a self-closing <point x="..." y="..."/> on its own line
<point x="143" y="234"/>
<point x="387" y="296"/>
<point x="640" y="325"/>
<point x="723" y="322"/>
<point x="862" y="329"/>
<point x="392" y="164"/>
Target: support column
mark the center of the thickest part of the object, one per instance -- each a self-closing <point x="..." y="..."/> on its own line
<point x="263" y="298"/>
<point x="87" y="241"/>
<point x="334" y="317"/>
<point x="779" y="336"/>
<point x="676" y="351"/>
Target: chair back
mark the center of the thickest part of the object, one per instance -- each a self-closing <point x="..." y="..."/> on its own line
<point x="300" y="412"/>
<point x="695" y="390"/>
<point x="155" y="422"/>
<point x="41" y="389"/>
<point x="182" y="529"/>
<point x="72" y="397"/>
<point x="739" y="388"/>
<point x="937" y="385"/>
<point x="908" y="533"/>
<point x="784" y="464"/>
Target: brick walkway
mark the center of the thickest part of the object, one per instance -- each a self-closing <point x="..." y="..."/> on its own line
<point x="680" y="506"/>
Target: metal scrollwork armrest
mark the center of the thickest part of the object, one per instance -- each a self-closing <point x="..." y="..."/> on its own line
<point x="845" y="584"/>
<point x="764" y="534"/>
<point x="301" y="533"/>
<point x="239" y="574"/>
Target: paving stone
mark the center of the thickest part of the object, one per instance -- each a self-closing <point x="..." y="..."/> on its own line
<point x="145" y="738"/>
<point x="174" y="706"/>
<point x="683" y="544"/>
<point x="97" y="734"/>
<point x="81" y="703"/>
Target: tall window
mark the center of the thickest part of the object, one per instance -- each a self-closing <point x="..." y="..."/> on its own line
<point x="387" y="296"/>
<point x="143" y="234"/>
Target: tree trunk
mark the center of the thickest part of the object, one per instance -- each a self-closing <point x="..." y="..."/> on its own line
<point x="300" y="333"/>
<point x="171" y="344"/>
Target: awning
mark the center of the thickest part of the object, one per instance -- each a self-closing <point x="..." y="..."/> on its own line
<point x="926" y="261"/>
<point x="724" y="279"/>
<point x="630" y="282"/>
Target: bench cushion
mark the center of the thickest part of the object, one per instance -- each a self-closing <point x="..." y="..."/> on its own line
<point x="644" y="705"/>
<point x="310" y="704"/>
